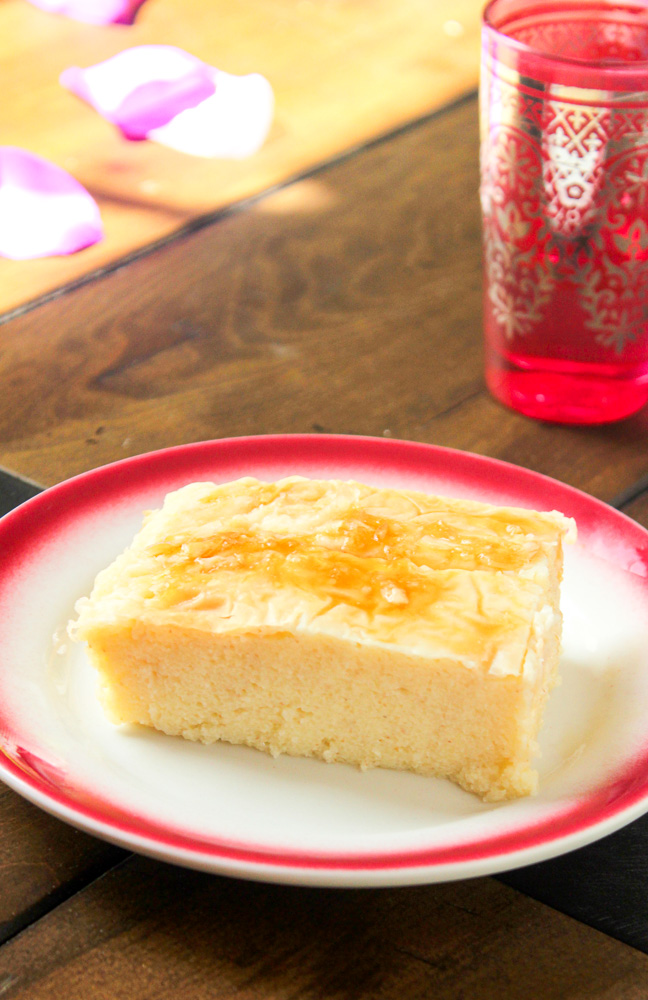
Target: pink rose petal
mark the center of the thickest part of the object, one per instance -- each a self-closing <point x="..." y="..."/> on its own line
<point x="44" y="211"/>
<point x="162" y="93"/>
<point x="232" y="124"/>
<point x="93" y="11"/>
<point x="142" y="88"/>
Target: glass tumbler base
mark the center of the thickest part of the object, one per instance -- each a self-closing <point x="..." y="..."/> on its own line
<point x="575" y="396"/>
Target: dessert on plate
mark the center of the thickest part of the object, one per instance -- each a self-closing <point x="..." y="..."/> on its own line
<point x="374" y="626"/>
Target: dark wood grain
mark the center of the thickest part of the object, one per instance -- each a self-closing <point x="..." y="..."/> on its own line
<point x="324" y="307"/>
<point x="603" y="884"/>
<point x="147" y="930"/>
<point x="638" y="508"/>
<point x="308" y="312"/>
<point x="14" y="491"/>
<point x="42" y="862"/>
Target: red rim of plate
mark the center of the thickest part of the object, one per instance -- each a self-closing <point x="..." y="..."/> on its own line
<point x="580" y="821"/>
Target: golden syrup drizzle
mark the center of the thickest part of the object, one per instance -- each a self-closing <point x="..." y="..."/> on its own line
<point x="334" y="576"/>
<point x="434" y="541"/>
<point x="375" y="564"/>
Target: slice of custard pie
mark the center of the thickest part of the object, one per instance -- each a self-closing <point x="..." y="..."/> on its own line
<point x="379" y="627"/>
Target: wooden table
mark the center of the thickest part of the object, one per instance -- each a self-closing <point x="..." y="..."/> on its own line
<point x="342" y="71"/>
<point x="346" y="301"/>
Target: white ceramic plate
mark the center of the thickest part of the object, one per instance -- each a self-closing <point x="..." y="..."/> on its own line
<point x="236" y="811"/>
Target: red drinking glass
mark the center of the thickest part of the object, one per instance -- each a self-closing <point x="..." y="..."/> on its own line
<point x="564" y="190"/>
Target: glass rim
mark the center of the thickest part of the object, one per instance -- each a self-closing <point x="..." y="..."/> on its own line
<point x="614" y="68"/>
